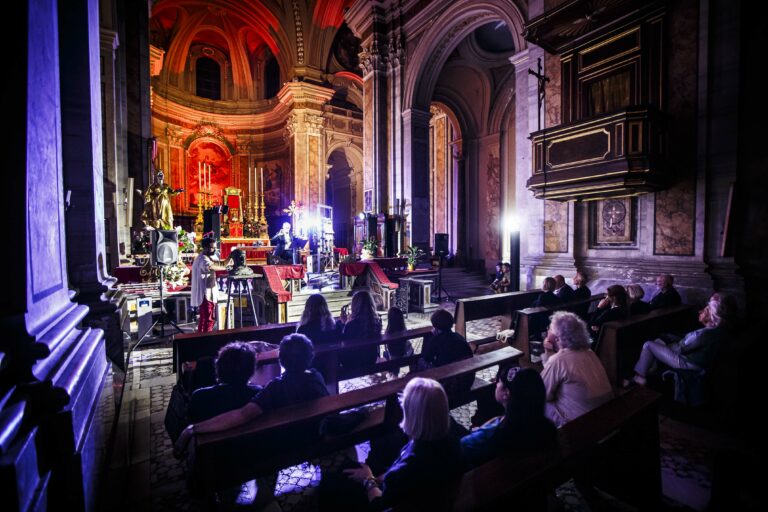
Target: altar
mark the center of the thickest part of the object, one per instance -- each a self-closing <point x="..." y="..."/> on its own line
<point x="255" y="254"/>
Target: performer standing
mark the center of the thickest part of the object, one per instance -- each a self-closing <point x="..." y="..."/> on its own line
<point x="205" y="290"/>
<point x="157" y="204"/>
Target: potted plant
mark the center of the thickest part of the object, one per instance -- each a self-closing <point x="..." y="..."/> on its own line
<point x="412" y="254"/>
<point x="369" y="249"/>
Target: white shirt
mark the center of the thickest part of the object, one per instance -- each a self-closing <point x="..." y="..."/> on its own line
<point x="203" y="279"/>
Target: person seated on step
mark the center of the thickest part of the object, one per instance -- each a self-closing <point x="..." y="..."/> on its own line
<point x="547" y="296"/>
<point x="496" y="283"/>
<point x="521" y="392"/>
<point x="317" y="323"/>
<point x="574" y="377"/>
<point x="446" y="346"/>
<point x="363" y="323"/>
<point x="697" y="350"/>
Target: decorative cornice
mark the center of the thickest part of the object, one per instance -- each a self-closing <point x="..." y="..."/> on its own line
<point x="304" y="95"/>
<point x="109" y="39"/>
<point x="209" y="130"/>
<point x="156" y="56"/>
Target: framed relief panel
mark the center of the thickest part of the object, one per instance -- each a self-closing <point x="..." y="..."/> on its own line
<point x="613" y="223"/>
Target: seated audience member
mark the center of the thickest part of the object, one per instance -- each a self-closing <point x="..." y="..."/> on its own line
<point x="573" y="375"/>
<point x="666" y="295"/>
<point x="446" y="346"/>
<point x="697" y="350"/>
<point x="612" y="307"/>
<point x="581" y="291"/>
<point x="235" y="365"/>
<point x="204" y="374"/>
<point x="521" y="392"/>
<point x="363" y="323"/>
<point x="298" y="384"/>
<point x="635" y="294"/>
<point x="317" y="323"/>
<point x="547" y="297"/>
<point x="496" y="283"/>
<point x="563" y="292"/>
<point x="430" y="459"/>
<point x="396" y="325"/>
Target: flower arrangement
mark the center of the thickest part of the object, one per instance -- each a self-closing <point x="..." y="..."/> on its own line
<point x="176" y="275"/>
<point x="371" y="245"/>
<point x="186" y="240"/>
<point x="412" y="255"/>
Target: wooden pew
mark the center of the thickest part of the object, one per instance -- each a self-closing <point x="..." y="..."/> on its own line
<point x="528" y="319"/>
<point x="620" y="342"/>
<point x="192" y="346"/>
<point x="615" y="447"/>
<point x="218" y="460"/>
<point x="487" y="306"/>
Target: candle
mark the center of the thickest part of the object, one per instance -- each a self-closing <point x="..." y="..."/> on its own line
<point x="249" y="182"/>
<point x="209" y="178"/>
<point x="262" y="181"/>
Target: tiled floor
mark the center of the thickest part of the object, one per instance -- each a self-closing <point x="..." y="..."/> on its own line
<point x="144" y="475"/>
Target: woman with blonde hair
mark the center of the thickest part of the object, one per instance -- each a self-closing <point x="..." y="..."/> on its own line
<point x="430" y="459"/>
<point x="363" y="324"/>
<point x="635" y="294"/>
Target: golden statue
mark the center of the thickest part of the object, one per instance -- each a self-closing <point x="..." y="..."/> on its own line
<point x="157" y="204"/>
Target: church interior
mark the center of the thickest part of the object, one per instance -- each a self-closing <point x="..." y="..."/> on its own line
<point x="538" y="222"/>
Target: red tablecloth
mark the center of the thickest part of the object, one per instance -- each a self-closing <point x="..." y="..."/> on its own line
<point x="390" y="263"/>
<point x="352" y="269"/>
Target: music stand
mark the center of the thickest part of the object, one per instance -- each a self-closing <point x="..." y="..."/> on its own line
<point x="162" y="319"/>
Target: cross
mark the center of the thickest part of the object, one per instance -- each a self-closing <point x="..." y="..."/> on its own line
<point x="542" y="80"/>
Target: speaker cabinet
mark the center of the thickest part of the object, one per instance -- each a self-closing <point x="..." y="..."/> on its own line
<point x="212" y="222"/>
<point x="441" y="244"/>
<point x="165" y="247"/>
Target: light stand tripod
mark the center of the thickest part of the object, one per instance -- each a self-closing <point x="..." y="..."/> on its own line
<point x="440" y="288"/>
<point x="163" y="318"/>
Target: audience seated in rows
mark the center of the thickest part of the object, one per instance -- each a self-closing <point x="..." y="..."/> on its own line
<point x="235" y="365"/>
<point x="547" y="297"/>
<point x="574" y="377"/>
<point x="635" y="294"/>
<point x="317" y="323"/>
<point x="363" y="323"/>
<point x="522" y="394"/>
<point x="697" y="350"/>
<point x="562" y="290"/>
<point x="612" y="307"/>
<point x="396" y="325"/>
<point x="430" y="459"/>
<point x="297" y="384"/>
<point x="666" y="294"/>
<point x="446" y="346"/>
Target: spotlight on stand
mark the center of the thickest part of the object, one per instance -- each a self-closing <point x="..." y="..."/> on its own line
<point x="512" y="228"/>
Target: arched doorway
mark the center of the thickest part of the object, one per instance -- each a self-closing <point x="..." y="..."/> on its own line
<point x="341" y="192"/>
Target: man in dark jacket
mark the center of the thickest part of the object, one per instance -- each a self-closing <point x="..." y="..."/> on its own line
<point x="563" y="291"/>
<point x="667" y="295"/>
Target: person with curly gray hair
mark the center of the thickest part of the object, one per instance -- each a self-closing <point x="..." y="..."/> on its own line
<point x="697" y="350"/>
<point x="573" y="375"/>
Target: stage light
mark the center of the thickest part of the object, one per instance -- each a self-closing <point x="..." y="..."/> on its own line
<point x="511" y="223"/>
<point x="361" y="216"/>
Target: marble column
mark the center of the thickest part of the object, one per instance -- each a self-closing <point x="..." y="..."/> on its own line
<point x="305" y="134"/>
<point x="52" y="370"/>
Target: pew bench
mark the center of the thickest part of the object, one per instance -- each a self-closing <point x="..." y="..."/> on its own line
<point x="620" y="342"/>
<point x="223" y="459"/>
<point x="532" y="321"/>
<point x="614" y="447"/>
<point x="504" y="305"/>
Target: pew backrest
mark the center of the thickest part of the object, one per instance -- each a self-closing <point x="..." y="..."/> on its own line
<point x="620" y="342"/>
<point x="487" y="306"/>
